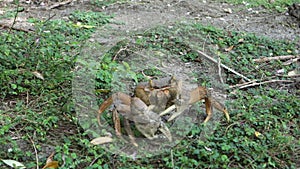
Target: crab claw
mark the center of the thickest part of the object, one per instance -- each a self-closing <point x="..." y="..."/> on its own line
<point x="165" y="130"/>
<point x="146" y="121"/>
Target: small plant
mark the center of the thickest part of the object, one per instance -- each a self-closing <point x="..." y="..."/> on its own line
<point x="36" y="73"/>
<point x="89" y="18"/>
<point x="104" y="3"/>
<point x="279" y="5"/>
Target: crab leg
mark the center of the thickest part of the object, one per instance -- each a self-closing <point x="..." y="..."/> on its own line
<point x="168" y="110"/>
<point x="122" y="102"/>
<point x="179" y="111"/>
<point x="117" y="123"/>
<point x="198" y="94"/>
<point x="208" y="109"/>
<point x="103" y="107"/>
<point x="219" y="107"/>
<point x="129" y="132"/>
<point x="201" y="93"/>
<point x="165" y="130"/>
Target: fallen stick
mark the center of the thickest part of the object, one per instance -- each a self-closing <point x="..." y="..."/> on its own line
<point x="296" y="75"/>
<point x="59" y="4"/>
<point x="266" y="59"/>
<point x="241" y="86"/>
<point x="222" y="65"/>
<point x="290" y="61"/>
<point x="220" y="70"/>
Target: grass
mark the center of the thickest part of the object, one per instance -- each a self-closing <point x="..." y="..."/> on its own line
<point x="103" y="4"/>
<point x="38" y="112"/>
<point x="279" y="6"/>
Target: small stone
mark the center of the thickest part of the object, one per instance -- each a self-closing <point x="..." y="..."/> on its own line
<point x="228" y="10"/>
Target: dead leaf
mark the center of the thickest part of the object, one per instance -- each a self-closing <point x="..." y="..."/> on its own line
<point x="241" y="40"/>
<point x="101" y="140"/>
<point x="13" y="163"/>
<point x="292" y="73"/>
<point x="207" y="148"/>
<point x="229" y="49"/>
<point x="258" y="134"/>
<point x="280" y="71"/>
<point x="50" y="163"/>
<point x="38" y="75"/>
<point x="50" y="158"/>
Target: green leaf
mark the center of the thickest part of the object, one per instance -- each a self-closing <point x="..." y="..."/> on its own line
<point x="13" y="86"/>
<point x="224" y="158"/>
<point x="126" y="65"/>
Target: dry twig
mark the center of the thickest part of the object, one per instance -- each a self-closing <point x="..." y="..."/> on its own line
<point x="15" y="19"/>
<point x="59" y="4"/>
<point x="291" y="76"/>
<point x="220" y="70"/>
<point x="119" y="51"/>
<point x="254" y="83"/>
<point x="266" y="59"/>
<point x="222" y="65"/>
<point x="35" y="151"/>
<point x="290" y="61"/>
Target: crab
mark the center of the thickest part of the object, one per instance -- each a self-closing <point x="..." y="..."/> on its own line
<point x="151" y="101"/>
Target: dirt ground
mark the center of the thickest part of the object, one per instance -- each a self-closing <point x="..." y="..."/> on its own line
<point x="143" y="14"/>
